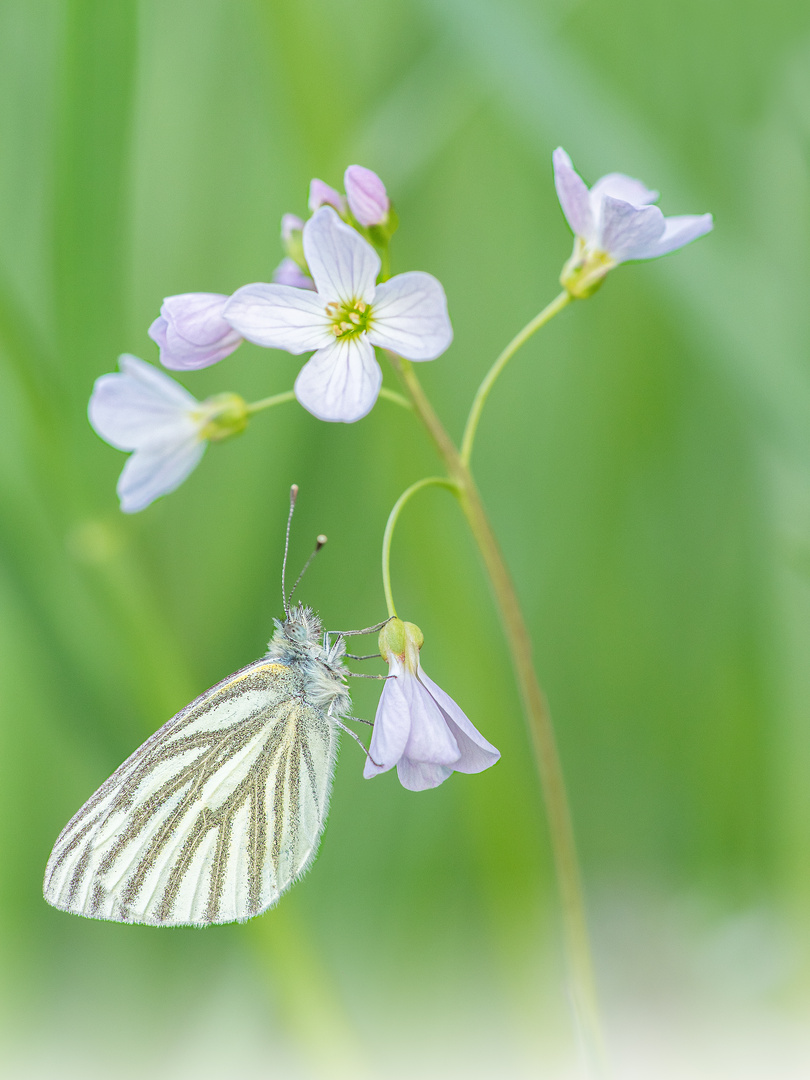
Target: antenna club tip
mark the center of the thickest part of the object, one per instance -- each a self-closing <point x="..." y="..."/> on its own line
<point x="320" y="540"/>
<point x="293" y="494"/>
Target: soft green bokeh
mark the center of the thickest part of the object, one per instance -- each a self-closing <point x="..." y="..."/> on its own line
<point x="645" y="460"/>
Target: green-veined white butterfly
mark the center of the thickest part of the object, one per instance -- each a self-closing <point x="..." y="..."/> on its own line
<point x="221" y="810"/>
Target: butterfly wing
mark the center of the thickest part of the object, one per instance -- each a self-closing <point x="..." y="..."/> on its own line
<point x="211" y="819"/>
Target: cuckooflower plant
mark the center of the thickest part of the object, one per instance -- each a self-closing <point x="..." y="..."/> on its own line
<point x="418" y="727"/>
<point x="613" y="223"/>
<point x="142" y="410"/>
<point x="191" y="331"/>
<point x="344" y="319"/>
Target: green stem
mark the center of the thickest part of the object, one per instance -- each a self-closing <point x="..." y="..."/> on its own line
<point x="289" y="395"/>
<point x="269" y="402"/>
<point x="560" y="824"/>
<point x="557" y="304"/>
<point x="440" y="481"/>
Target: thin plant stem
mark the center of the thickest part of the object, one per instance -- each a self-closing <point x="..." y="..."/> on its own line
<point x="269" y="402"/>
<point x="557" y="304"/>
<point x="428" y="481"/>
<point x="289" y="395"/>
<point x="561" y="830"/>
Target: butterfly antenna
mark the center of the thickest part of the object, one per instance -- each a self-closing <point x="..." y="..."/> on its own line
<point x="293" y="497"/>
<point x="319" y="542"/>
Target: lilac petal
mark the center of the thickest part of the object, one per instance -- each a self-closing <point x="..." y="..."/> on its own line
<point x="625" y="230"/>
<point x="191" y="331"/>
<point x="619" y="186"/>
<point x="476" y="753"/>
<point x="421" y="775"/>
<point x="290" y="223"/>
<point x="573" y="194"/>
<point x="409" y="315"/>
<point x="321" y="194"/>
<point x="280" y="317"/>
<point x="679" y="230"/>
<point x="430" y="739"/>
<point x="156" y="470"/>
<point x="139" y="405"/>
<point x="392" y="725"/>
<point x="343" y="265"/>
<point x="288" y="272"/>
<point x="366" y="195"/>
<point x="341" y="382"/>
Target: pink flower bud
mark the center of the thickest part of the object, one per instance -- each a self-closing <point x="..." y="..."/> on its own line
<point x="368" y="199"/>
<point x="290" y="223"/>
<point x="191" y="331"/>
<point x="288" y="272"/>
<point x="320" y="194"/>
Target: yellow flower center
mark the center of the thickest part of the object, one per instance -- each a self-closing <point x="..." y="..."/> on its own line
<point x="349" y="318"/>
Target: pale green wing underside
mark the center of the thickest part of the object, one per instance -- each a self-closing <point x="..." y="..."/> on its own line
<point x="212" y="818"/>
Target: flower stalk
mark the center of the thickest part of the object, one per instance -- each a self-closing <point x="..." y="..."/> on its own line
<point x="561" y="830"/>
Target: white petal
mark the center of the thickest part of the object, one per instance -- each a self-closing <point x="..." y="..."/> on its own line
<point x="430" y="738"/>
<point x="420" y="775"/>
<point x="409" y="315"/>
<point x="156" y="470"/>
<point x="343" y="265"/>
<point x="140" y="405"/>
<point x="476" y="753"/>
<point x="340" y="382"/>
<point x="678" y="230"/>
<point x="619" y="186"/>
<point x="625" y="230"/>
<point x="392" y="725"/>
<point x="573" y="195"/>
<point x="279" y="317"/>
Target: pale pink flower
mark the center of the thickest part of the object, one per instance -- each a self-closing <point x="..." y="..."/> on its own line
<point x="288" y="272"/>
<point x="191" y="332"/>
<point x="366" y="195"/>
<point x="615" y="222"/>
<point x="344" y="319"/>
<point x="321" y="194"/>
<point x="142" y="410"/>
<point x="418" y="727"/>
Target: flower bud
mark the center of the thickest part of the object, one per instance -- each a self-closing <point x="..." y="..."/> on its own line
<point x="288" y="272"/>
<point x="292" y="241"/>
<point x="191" y="331"/>
<point x="367" y="197"/>
<point x="223" y="415"/>
<point x="320" y="194"/>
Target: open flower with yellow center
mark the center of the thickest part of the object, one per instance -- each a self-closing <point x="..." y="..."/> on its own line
<point x="342" y="321"/>
<point x="142" y="410"/>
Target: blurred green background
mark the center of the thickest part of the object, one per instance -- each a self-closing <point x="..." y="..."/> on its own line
<point x="646" y="461"/>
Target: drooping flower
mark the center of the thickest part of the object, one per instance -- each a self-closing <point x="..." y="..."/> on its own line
<point x="321" y="194"/>
<point x="344" y="319"/>
<point x="368" y="200"/>
<point x="418" y="727"/>
<point x="613" y="223"/>
<point x="142" y="410"/>
<point x="191" y="332"/>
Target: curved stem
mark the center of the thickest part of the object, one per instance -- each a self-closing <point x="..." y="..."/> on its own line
<point x="269" y="402"/>
<point x="569" y="881"/>
<point x="557" y="304"/>
<point x="428" y="481"/>
<point x="289" y="395"/>
<point x="397" y="399"/>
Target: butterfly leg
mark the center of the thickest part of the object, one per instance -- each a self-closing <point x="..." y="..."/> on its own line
<point x="361" y="675"/>
<point x="370" y="656"/>
<point x="356" y="738"/>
